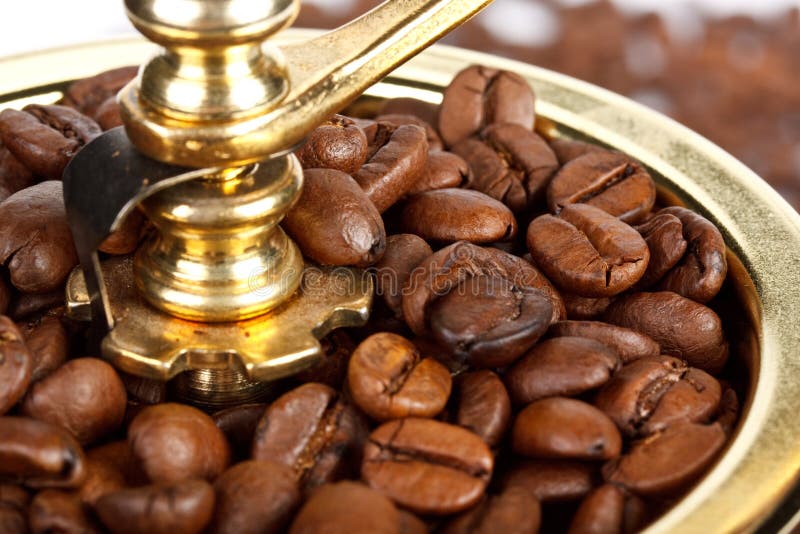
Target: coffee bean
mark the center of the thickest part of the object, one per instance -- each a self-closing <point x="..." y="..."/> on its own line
<point x="87" y="94"/>
<point x="344" y="508"/>
<point x="586" y="251"/>
<point x="125" y="239"/>
<point x="667" y="461"/>
<point x="14" y="176"/>
<point x="411" y="524"/>
<point x="16" y="364"/>
<point x="313" y="431"/>
<point x="411" y="106"/>
<point x="524" y="274"/>
<point x="109" y="468"/>
<point x="108" y="115"/>
<point x="337" y="143"/>
<point x="610" y="181"/>
<point x="12" y="519"/>
<point x="558" y="427"/>
<point x="515" y="511"/>
<point x="404" y="252"/>
<point x="683" y="328"/>
<point x="442" y="170"/>
<point x="584" y="308"/>
<point x="184" y="506"/>
<point x="388" y="379"/>
<point x="427" y="466"/>
<point x="238" y="423"/>
<point x="483" y="405"/>
<point x="144" y="390"/>
<point x="561" y="366"/>
<point x="728" y="411"/>
<point x="551" y="480"/>
<point x="629" y="344"/>
<point x="568" y="149"/>
<point x="479" y="96"/>
<point x="176" y="442"/>
<point x="399" y="119"/>
<point x="254" y="497"/>
<point x="334" y="223"/>
<point x="47" y="341"/>
<point x="31" y="306"/>
<point x="664" y="237"/>
<point x="332" y="370"/>
<point x="39" y="454"/>
<point x="602" y="511"/>
<point x="448" y="215"/>
<point x="5" y="296"/>
<point x="55" y="510"/>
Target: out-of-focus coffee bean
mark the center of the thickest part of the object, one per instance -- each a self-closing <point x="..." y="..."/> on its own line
<point x="399" y="119"/>
<point x="184" y="507"/>
<point x="125" y="239"/>
<point x="567" y="149"/>
<point x="47" y="341"/>
<point x="728" y="411"/>
<point x="515" y="511"/>
<point x="559" y="427"/>
<point x="337" y="143"/>
<point x="55" y="510"/>
<point x="107" y="115"/>
<point x="584" y="308"/>
<point x="447" y="215"/>
<point x="561" y="366"/>
<point x="442" y="170"/>
<point x="13" y="507"/>
<point x="16" y="364"/>
<point x="35" y="240"/>
<point x="664" y="237"/>
<point x="586" y="251"/>
<point x="601" y="512"/>
<point x="667" y="461"/>
<point x="344" y="508"/>
<point x="39" y="454"/>
<point x="334" y="223"/>
<point x="110" y="467"/>
<point x="483" y="405"/>
<point x="87" y="94"/>
<point x="411" y="524"/>
<point x="683" y="328"/>
<point x="610" y="181"/>
<point x="14" y="176"/>
<point x="5" y="296"/>
<point x="175" y="442"/>
<point x="411" y="106"/>
<point x="404" y="252"/>
<point x="552" y="480"/>
<point x="313" y="431"/>
<point x="479" y="96"/>
<point x="85" y="396"/>
<point x="238" y="423"/>
<point x="254" y="497"/>
<point x="629" y="344"/>
<point x="332" y="371"/>
<point x="427" y="466"/>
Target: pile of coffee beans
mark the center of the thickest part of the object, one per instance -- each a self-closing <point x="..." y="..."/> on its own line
<point x="543" y="352"/>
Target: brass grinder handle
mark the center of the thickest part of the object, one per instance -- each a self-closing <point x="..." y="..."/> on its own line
<point x="217" y="97"/>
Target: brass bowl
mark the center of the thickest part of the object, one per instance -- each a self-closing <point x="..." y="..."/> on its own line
<point x="762" y="462"/>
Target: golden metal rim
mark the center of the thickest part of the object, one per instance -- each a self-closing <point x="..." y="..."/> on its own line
<point x="763" y="461"/>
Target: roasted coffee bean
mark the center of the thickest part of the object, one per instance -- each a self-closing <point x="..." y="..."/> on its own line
<point x="561" y="366"/>
<point x="411" y="524"/>
<point x="107" y="115"/>
<point x="238" y="423"/>
<point x="39" y="454"/>
<point x="683" y="328"/>
<point x="479" y="96"/>
<point x="610" y="181"/>
<point x="399" y="119"/>
<point x="702" y="270"/>
<point x="125" y="239"/>
<point x="728" y="411"/>
<point x="559" y="427"/>
<point x="35" y="241"/>
<point x="448" y="215"/>
<point x="334" y="223"/>
<point x="509" y="163"/>
<point x="515" y="511"/>
<point x="44" y="138"/>
<point x="184" y="507"/>
<point x="28" y="306"/>
<point x="411" y="106"/>
<point x="601" y="512"/>
<point x="337" y="143"/>
<point x="586" y="251"/>
<point x="5" y="296"/>
<point x="629" y="344"/>
<point x="47" y="341"/>
<point x="14" y="495"/>
<point x="584" y="308"/>
<point x="568" y="149"/>
<point x="85" y="396"/>
<point x="344" y="508"/>
<point x="655" y="392"/>
<point x="254" y="497"/>
<point x="16" y="364"/>
<point x="394" y="169"/>
<point x="109" y="468"/>
<point x="388" y="379"/>
<point x="442" y="170"/>
<point x="664" y="237"/>
<point x="427" y="466"/>
<point x="14" y="176"/>
<point x="483" y="405"/>
<point x="88" y="94"/>
<point x="404" y="252"/>
<point x="668" y="461"/>
<point x="332" y="370"/>
<point x="552" y="480"/>
<point x="12" y="519"/>
<point x="54" y="510"/>
<point x="175" y="442"/>
<point x="313" y="431"/>
<point x="144" y="390"/>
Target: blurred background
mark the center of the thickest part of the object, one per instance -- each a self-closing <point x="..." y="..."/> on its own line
<point x="729" y="69"/>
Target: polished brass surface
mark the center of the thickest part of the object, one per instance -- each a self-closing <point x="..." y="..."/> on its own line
<point x="762" y="230"/>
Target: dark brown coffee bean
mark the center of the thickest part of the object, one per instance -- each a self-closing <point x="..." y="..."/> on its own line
<point x="584" y="308"/>
<point x="109" y="468"/>
<point x="601" y="512"/>
<point x="427" y="466"/>
<point x="332" y="370"/>
<point x="568" y="149"/>
<point x="5" y="296"/>
<point x="442" y="170"/>
<point x="515" y="511"/>
<point x="238" y="423"/>
<point x="39" y="455"/>
<point x="85" y="396"/>
<point x="629" y="344"/>
<point x="31" y="306"/>
<point x="561" y="366"/>
<point x="254" y="497"/>
<point x="483" y="405"/>
<point x="610" y="181"/>
<point x="337" y="143"/>
<point x="14" y="495"/>
<point x="16" y="364"/>
<point x="125" y="239"/>
<point x="59" y="511"/>
<point x="44" y="138"/>
<point x="334" y="223"/>
<point x="668" y="461"/>
<point x="184" y="507"/>
<point x="344" y="508"/>
<point x="683" y="328"/>
<point x="313" y="431"/>
<point x="175" y="442"/>
<point x="12" y="519"/>
<point x="399" y="119"/>
<point x="552" y="480"/>
<point x="509" y="163"/>
<point x="47" y="341"/>
<point x="14" y="176"/>
<point x="586" y="251"/>
<point x="664" y="237"/>
<point x="87" y="94"/>
<point x="479" y="96"/>
<point x="388" y="379"/>
<point x="448" y="215"/>
<point x="702" y="271"/>
<point x="144" y="390"/>
<point x="394" y="169"/>
<point x="404" y="252"/>
<point x="107" y="115"/>
<point x="522" y="272"/>
<point x="559" y="427"/>
<point x="728" y="411"/>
